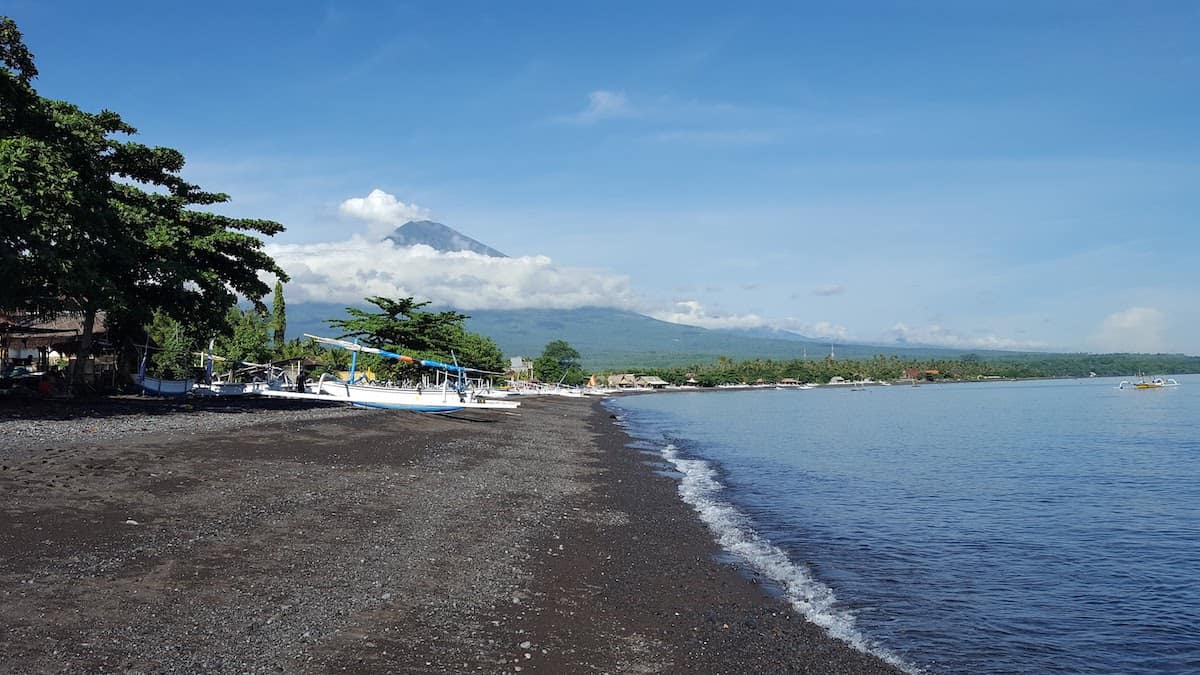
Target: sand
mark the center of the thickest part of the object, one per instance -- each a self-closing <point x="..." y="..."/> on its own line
<point x="272" y="536"/>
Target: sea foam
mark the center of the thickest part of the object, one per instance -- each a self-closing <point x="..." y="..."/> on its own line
<point x="699" y="488"/>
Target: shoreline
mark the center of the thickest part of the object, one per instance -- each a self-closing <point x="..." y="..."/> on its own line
<point x="333" y="539"/>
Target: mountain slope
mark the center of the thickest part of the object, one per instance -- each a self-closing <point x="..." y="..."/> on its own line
<point x="611" y="338"/>
<point x="438" y="237"/>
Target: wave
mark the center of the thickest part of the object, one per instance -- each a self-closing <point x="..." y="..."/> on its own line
<point x="814" y="600"/>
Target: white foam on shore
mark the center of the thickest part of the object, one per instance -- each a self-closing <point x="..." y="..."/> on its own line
<point x="814" y="600"/>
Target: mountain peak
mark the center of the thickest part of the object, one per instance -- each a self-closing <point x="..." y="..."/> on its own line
<point x="438" y="237"/>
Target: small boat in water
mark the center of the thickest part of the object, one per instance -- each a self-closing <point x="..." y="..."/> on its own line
<point x="1152" y="383"/>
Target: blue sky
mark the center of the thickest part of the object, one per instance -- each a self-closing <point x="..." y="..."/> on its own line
<point x="978" y="174"/>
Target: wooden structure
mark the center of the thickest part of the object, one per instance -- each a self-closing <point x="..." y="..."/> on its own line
<point x="30" y="341"/>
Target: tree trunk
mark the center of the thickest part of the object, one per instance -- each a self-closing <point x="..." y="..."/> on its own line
<point x="79" y="384"/>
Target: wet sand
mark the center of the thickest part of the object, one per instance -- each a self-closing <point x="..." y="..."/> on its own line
<point x="268" y="537"/>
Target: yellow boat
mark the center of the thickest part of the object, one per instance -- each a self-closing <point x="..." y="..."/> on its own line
<point x="1153" y="383"/>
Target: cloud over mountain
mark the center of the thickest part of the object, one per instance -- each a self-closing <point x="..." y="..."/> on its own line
<point x="694" y="313"/>
<point x="1137" y="329"/>
<point x="349" y="271"/>
<point x="381" y="211"/>
<point x="940" y="335"/>
<point x="407" y="263"/>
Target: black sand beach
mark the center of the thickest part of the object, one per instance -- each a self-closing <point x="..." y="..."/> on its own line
<point x="274" y="537"/>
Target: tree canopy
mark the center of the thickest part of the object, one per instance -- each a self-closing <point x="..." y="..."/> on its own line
<point x="401" y="325"/>
<point x="247" y="337"/>
<point x="90" y="221"/>
<point x="559" y="361"/>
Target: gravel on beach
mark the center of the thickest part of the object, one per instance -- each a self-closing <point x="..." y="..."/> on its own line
<point x="279" y="536"/>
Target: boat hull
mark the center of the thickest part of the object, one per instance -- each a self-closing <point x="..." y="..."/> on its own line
<point x="155" y="386"/>
<point x="393" y="398"/>
<point x="225" y="389"/>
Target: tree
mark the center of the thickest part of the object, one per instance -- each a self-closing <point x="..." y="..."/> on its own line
<point x="479" y="351"/>
<point x="403" y="326"/>
<point x="279" y="317"/>
<point x="80" y="233"/>
<point x="247" y="339"/>
<point x="34" y="183"/>
<point x="171" y="356"/>
<point x="558" y="359"/>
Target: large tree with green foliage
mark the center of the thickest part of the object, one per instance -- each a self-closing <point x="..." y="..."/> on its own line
<point x="247" y="338"/>
<point x="559" y="361"/>
<point x="91" y="222"/>
<point x="401" y="325"/>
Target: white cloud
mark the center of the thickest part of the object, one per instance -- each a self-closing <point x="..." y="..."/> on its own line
<point x="693" y="313"/>
<point x="349" y="271"/>
<point x="823" y="329"/>
<point x="829" y="289"/>
<point x="945" y="337"/>
<point x="382" y="212"/>
<point x="603" y="104"/>
<point x="1137" y="329"/>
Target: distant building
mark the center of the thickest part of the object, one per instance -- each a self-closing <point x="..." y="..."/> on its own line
<point x="624" y="380"/>
<point x="652" y="382"/>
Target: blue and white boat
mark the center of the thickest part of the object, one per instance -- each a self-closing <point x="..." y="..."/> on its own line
<point x="446" y="397"/>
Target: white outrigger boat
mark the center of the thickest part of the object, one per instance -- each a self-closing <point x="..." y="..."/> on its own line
<point x="264" y="376"/>
<point x="444" y="398"/>
<point x="1152" y="383"/>
<point x="157" y="386"/>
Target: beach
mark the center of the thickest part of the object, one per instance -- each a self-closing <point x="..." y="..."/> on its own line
<point x="271" y="536"/>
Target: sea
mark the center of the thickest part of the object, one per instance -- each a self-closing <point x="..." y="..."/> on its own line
<point x="1047" y="526"/>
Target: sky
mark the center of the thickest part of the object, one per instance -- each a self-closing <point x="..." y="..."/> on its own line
<point x="1010" y="175"/>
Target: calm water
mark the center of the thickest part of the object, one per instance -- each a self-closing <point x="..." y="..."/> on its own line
<point x="982" y="528"/>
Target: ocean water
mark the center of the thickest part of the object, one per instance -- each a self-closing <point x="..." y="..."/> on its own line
<point x="1000" y="527"/>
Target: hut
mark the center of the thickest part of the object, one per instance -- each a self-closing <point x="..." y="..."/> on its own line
<point x="38" y="343"/>
<point x="625" y="380"/>
<point x="651" y="381"/>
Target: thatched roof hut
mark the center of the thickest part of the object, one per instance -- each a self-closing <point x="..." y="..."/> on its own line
<point x="25" y="332"/>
